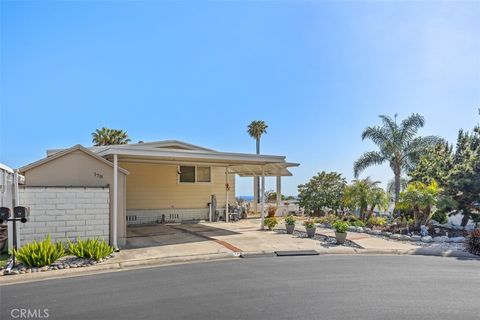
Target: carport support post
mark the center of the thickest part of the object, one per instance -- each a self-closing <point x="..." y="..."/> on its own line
<point x="279" y="191"/>
<point x="255" y="195"/>
<point x="115" y="201"/>
<point x="226" y="194"/>
<point x="262" y="196"/>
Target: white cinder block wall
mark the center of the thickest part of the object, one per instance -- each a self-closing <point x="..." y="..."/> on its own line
<point x="65" y="213"/>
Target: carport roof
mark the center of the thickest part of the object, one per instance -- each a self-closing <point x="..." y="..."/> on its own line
<point x="243" y="164"/>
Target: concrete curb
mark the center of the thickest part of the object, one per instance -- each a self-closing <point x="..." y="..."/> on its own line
<point x="115" y="266"/>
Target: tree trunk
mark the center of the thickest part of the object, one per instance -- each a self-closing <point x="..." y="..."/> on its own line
<point x="257" y="178"/>
<point x="397" y="185"/>
<point x="466" y="217"/>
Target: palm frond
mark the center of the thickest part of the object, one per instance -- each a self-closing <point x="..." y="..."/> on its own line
<point x="409" y="126"/>
<point x="366" y="160"/>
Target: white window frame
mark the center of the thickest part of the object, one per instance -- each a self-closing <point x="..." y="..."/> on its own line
<point x="195" y="182"/>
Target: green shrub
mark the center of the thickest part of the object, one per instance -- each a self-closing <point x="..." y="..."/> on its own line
<point x="309" y="224"/>
<point x="340" y="226"/>
<point x="473" y="242"/>
<point x="377" y="222"/>
<point x="90" y="249"/>
<point x="270" y="222"/>
<point x="440" y="217"/>
<point x="290" y="219"/>
<point x="358" y="223"/>
<point x="327" y="219"/>
<point x="39" y="254"/>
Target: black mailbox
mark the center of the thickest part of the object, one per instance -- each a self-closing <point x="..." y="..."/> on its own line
<point x="4" y="214"/>
<point x="21" y="213"/>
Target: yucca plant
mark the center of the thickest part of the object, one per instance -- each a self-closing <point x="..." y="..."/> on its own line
<point x="39" y="254"/>
<point x="90" y="249"/>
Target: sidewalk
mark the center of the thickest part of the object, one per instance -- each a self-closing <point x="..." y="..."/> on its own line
<point x="216" y="241"/>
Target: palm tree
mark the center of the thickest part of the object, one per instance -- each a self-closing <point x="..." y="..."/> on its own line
<point x="362" y="193"/>
<point x="256" y="129"/>
<point x="107" y="136"/>
<point x="398" y="145"/>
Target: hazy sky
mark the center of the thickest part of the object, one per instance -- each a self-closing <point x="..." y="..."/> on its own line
<point x="317" y="72"/>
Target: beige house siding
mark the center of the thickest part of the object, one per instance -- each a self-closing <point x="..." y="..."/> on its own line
<point x="156" y="186"/>
<point x="79" y="169"/>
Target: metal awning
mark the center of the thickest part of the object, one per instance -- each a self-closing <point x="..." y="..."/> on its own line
<point x="269" y="170"/>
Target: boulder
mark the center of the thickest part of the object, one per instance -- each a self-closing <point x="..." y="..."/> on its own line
<point x="352" y="228"/>
<point x="377" y="232"/>
<point x="416" y="238"/>
<point x="396" y="236"/>
<point x="427" y="239"/>
<point x="359" y="229"/>
<point x="405" y="237"/>
<point x="440" y="239"/>
<point x="386" y="234"/>
<point x="457" y="239"/>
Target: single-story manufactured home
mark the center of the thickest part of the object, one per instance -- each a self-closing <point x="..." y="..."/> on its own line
<point x="100" y="191"/>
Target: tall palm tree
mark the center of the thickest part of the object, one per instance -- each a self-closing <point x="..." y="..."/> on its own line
<point x="107" y="136"/>
<point x="256" y="129"/>
<point x="398" y="145"/>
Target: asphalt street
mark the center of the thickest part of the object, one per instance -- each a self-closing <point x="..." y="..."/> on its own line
<point x="314" y="287"/>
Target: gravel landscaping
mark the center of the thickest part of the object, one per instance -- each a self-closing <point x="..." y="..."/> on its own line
<point x="66" y="262"/>
<point x="325" y="241"/>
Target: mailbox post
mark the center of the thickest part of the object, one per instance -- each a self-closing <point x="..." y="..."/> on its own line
<point x="19" y="214"/>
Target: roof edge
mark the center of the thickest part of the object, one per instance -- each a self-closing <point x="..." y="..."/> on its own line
<point x="67" y="151"/>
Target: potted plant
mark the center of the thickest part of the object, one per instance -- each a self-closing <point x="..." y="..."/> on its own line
<point x="341" y="228"/>
<point x="310" y="226"/>
<point x="270" y="223"/>
<point x="290" y="223"/>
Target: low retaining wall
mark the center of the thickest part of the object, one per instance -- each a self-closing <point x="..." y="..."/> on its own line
<point x="65" y="213"/>
<point x="147" y="216"/>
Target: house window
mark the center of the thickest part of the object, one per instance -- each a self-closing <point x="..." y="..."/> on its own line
<point x="187" y="174"/>
<point x="192" y="174"/>
<point x="203" y="174"/>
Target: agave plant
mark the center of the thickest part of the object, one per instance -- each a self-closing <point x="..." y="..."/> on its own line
<point x="39" y="254"/>
<point x="90" y="249"/>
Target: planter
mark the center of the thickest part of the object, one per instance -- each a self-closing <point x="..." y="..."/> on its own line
<point x="311" y="232"/>
<point x="341" y="237"/>
<point x="290" y="228"/>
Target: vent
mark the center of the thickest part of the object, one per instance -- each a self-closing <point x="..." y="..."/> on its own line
<point x="174" y="216"/>
<point x="131" y="218"/>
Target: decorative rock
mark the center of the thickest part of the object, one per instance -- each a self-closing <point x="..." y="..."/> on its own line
<point x="416" y="238"/>
<point x="405" y="237"/>
<point x="386" y="234"/>
<point x="359" y="229"/>
<point x="395" y="236"/>
<point x="14" y="271"/>
<point x="34" y="270"/>
<point x="73" y="265"/>
<point x="28" y="270"/>
<point x="377" y="232"/>
<point x="457" y="239"/>
<point x="427" y="239"/>
<point x="352" y="228"/>
<point x="60" y="266"/>
<point x="43" y="269"/>
<point x="440" y="239"/>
